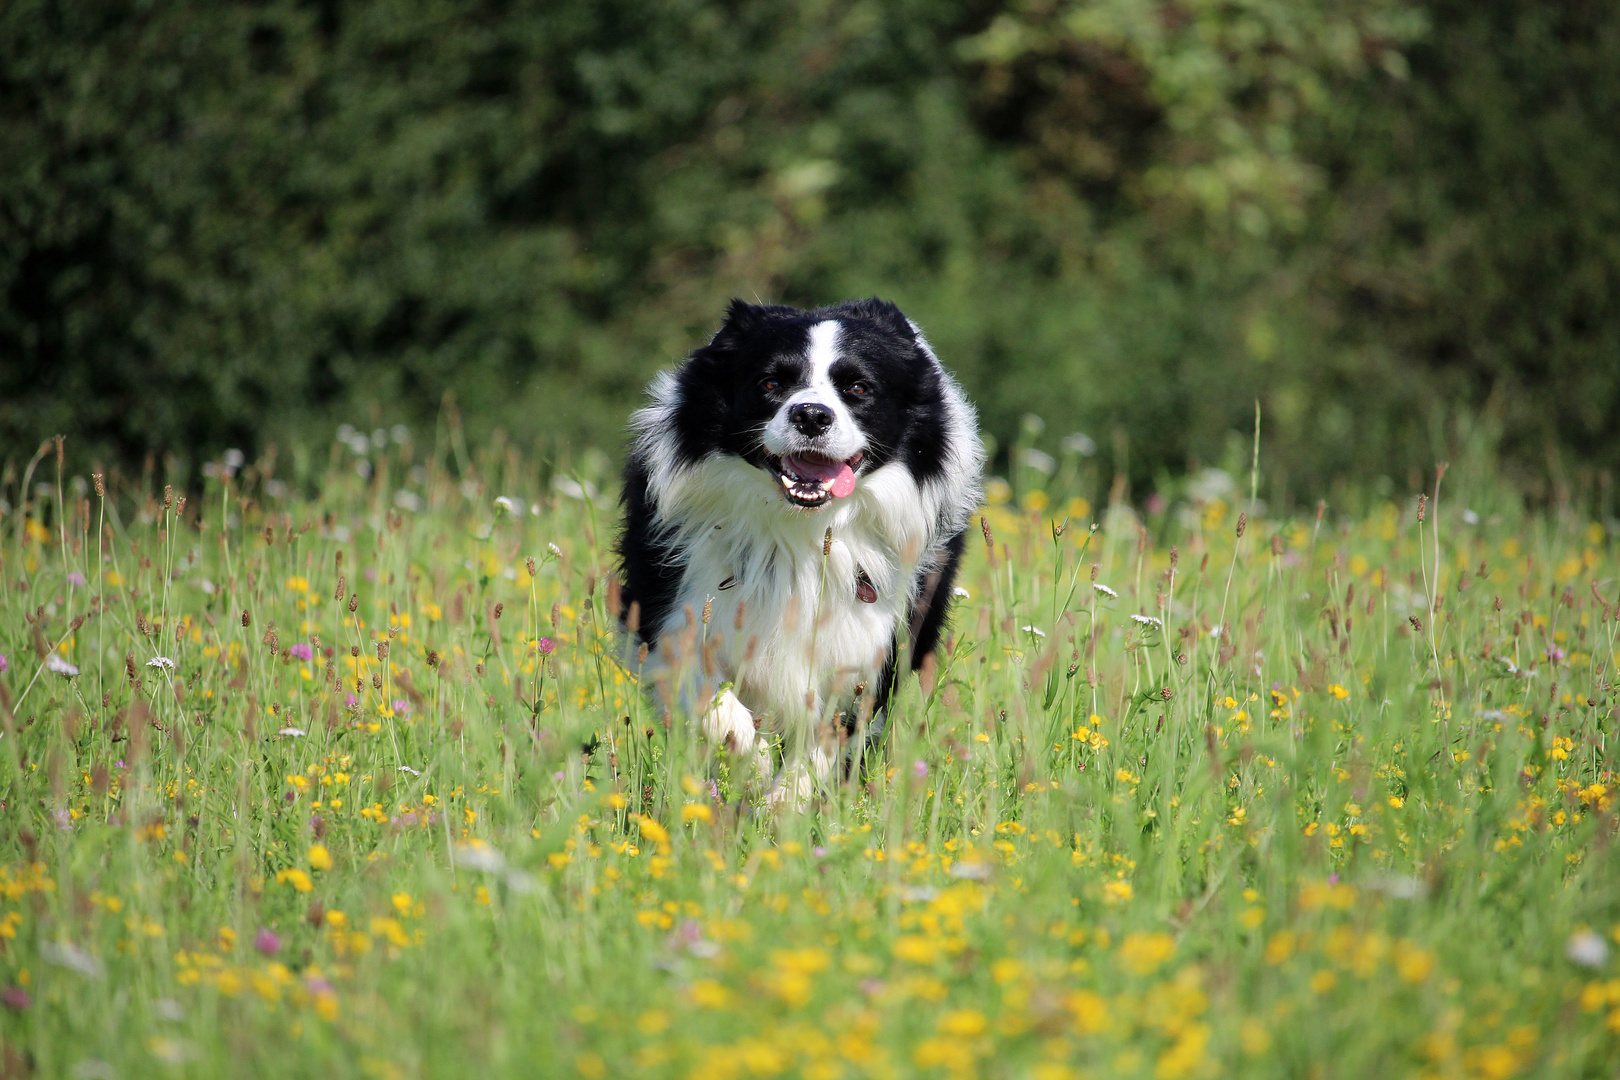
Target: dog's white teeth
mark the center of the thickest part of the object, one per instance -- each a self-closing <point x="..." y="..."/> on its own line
<point x="787" y="481"/>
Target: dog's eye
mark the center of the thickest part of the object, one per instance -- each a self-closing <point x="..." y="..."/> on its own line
<point x="859" y="389"/>
<point x="770" y="386"/>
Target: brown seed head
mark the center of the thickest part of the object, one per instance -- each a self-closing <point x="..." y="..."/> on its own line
<point x="101" y="484"/>
<point x="1243" y="523"/>
<point x="826" y="546"/>
<point x="1423" y="507"/>
<point x="528" y="562"/>
<point x="247" y="620"/>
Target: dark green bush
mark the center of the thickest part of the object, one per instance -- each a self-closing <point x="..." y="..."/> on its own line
<point x="228" y="224"/>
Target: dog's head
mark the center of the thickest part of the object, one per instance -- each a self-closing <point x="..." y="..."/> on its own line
<point x="815" y="399"/>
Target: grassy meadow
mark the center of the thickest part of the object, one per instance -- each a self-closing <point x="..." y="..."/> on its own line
<point x="334" y="769"/>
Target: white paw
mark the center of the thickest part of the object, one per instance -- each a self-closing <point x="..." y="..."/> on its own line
<point x="728" y="723"/>
<point x="792" y="790"/>
<point x="795" y="788"/>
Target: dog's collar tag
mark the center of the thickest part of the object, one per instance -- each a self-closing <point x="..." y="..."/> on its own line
<point x="865" y="591"/>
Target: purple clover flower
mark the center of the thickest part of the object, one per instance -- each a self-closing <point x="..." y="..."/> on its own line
<point x="301" y="650"/>
<point x="545" y="646"/>
<point x="267" y="942"/>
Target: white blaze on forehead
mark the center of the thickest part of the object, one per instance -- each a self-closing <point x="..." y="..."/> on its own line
<point x="844" y="438"/>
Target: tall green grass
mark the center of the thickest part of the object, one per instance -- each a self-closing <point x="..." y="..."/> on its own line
<point x="1206" y="795"/>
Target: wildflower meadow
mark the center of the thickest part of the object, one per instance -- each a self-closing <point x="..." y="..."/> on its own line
<point x="336" y="766"/>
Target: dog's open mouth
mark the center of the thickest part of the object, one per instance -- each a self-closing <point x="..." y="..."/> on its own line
<point x="812" y="480"/>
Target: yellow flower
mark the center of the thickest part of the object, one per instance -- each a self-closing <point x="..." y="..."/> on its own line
<point x="696" y="812"/>
<point x="1413" y="963"/>
<point x="963" y="1023"/>
<point x="708" y="994"/>
<point x="1117" y="892"/>
<point x="1338" y="691"/>
<point x="1006" y="970"/>
<point x="1143" y="953"/>
<point x="916" y="949"/>
<point x="319" y="857"/>
<point x="653" y="831"/>
<point x="402" y="902"/>
<point x="296" y="878"/>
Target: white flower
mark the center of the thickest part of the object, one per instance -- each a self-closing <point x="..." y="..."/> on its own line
<point x="206" y="586"/>
<point x="1037" y="631"/>
<point x="71" y="957"/>
<point x="1105" y="590"/>
<point x="60" y="666"/>
<point x="555" y="550"/>
<point x="408" y="500"/>
<point x="292" y="732"/>
<point x="1079" y="443"/>
<point x="572" y="488"/>
<point x="1587" y="949"/>
<point x="971" y="871"/>
<point x="413" y="772"/>
<point x="510" y="505"/>
<point x="1039" y="460"/>
<point x="1148" y="620"/>
<point x="162" y="662"/>
<point x="480" y="856"/>
<point x="957" y="590"/>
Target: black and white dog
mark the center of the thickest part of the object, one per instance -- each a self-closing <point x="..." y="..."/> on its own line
<point x="788" y="428"/>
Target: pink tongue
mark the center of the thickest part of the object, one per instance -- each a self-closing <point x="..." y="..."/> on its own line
<point x="839" y="472"/>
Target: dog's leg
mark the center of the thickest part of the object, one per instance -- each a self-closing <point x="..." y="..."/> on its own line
<point x="729" y="723"/>
<point x="796" y="785"/>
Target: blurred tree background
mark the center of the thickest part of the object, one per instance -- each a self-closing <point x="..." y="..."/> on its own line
<point x="1396" y="223"/>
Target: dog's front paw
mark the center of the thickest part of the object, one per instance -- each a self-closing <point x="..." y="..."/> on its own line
<point x="792" y="791"/>
<point x="728" y="723"/>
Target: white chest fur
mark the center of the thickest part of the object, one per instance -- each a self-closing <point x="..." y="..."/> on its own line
<point x="804" y="639"/>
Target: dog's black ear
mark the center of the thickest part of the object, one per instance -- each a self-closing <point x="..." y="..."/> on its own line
<point x="880" y="312"/>
<point x="741" y="317"/>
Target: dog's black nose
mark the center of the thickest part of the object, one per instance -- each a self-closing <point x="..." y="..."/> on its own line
<point x="811" y="419"/>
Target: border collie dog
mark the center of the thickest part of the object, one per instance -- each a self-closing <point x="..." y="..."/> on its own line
<point x="795" y="499"/>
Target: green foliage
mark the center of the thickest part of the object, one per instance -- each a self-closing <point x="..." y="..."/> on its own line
<point x="232" y="224"/>
<point x="1180" y="798"/>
